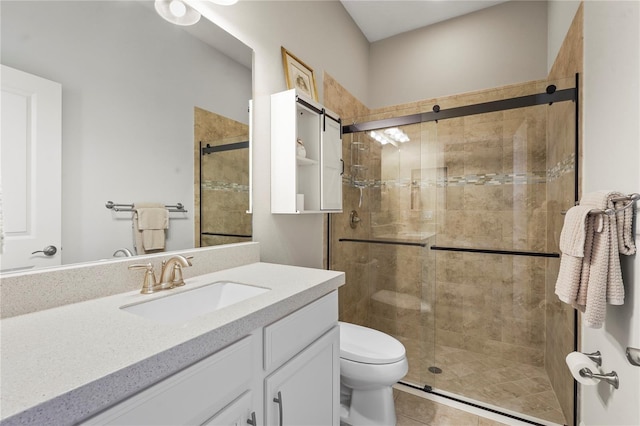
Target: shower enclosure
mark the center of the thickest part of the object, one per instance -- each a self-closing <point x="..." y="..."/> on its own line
<point x="452" y="215"/>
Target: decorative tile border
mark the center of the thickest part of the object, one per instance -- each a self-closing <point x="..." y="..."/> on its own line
<point x="567" y="165"/>
<point x="208" y="185"/>
<point x="562" y="168"/>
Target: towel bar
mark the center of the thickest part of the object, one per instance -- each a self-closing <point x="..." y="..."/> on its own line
<point x="179" y="207"/>
<point x="631" y="198"/>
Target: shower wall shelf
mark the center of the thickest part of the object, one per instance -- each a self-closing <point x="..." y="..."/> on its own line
<point x="318" y="176"/>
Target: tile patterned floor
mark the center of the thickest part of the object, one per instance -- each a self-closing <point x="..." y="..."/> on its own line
<point x="412" y="410"/>
<point x="517" y="387"/>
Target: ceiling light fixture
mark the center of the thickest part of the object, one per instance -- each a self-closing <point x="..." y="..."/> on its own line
<point x="384" y="140"/>
<point x="177" y="12"/>
<point x="397" y="135"/>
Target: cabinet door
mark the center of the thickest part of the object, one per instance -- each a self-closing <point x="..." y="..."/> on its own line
<point x="305" y="391"/>
<point x="332" y="165"/>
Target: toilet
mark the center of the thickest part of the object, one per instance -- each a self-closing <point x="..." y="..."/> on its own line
<point x="371" y="362"/>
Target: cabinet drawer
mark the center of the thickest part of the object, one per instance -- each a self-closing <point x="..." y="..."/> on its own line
<point x="237" y="413"/>
<point x="288" y="336"/>
<point x="190" y="396"/>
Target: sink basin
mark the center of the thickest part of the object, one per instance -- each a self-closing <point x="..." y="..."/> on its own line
<point x="186" y="305"/>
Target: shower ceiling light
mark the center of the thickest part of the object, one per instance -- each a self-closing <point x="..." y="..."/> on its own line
<point x="397" y="135"/>
<point x="177" y="12"/>
<point x="384" y="140"/>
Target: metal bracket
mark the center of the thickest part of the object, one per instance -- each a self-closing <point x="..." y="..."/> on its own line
<point x="611" y="378"/>
<point x="595" y="357"/>
<point x="633" y="355"/>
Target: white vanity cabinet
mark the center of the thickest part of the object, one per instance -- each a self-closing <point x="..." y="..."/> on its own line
<point x="294" y="360"/>
<point x="210" y="389"/>
<point x="311" y="183"/>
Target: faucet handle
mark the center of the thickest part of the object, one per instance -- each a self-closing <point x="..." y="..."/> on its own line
<point x="149" y="277"/>
<point x="176" y="275"/>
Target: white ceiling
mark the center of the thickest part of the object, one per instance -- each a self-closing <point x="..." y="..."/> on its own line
<point x="380" y="19"/>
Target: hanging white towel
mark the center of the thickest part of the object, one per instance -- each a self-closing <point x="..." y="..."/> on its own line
<point x="572" y="242"/>
<point x="600" y="277"/>
<point x="150" y="222"/>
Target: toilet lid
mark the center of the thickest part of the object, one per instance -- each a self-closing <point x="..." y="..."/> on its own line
<point x="362" y="344"/>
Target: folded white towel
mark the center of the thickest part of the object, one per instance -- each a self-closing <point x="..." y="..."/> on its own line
<point x="590" y="281"/>
<point x="150" y="221"/>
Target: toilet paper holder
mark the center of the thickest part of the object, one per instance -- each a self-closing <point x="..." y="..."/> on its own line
<point x="595" y="357"/>
<point x="611" y="378"/>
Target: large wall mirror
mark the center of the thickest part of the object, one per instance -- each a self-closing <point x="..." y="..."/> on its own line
<point x="141" y="98"/>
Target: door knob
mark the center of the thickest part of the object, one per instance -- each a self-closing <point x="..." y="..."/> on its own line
<point x="48" y="251"/>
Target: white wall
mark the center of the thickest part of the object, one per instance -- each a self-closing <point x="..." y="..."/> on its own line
<point x="130" y="81"/>
<point x="493" y="47"/>
<point x="321" y="34"/>
<point x="560" y="14"/>
<point x="611" y="106"/>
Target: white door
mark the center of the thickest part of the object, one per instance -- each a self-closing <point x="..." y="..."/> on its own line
<point x="30" y="155"/>
<point x="332" y="165"/>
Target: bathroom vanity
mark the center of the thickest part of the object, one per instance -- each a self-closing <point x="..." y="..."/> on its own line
<point x="272" y="358"/>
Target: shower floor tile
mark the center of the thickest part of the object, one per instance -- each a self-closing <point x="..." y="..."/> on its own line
<point x="412" y="410"/>
<point x="518" y="387"/>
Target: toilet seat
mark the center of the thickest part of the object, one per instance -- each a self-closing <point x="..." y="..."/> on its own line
<point x="365" y="345"/>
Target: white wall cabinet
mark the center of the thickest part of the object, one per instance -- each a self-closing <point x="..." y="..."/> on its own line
<point x="295" y="358"/>
<point x="317" y="176"/>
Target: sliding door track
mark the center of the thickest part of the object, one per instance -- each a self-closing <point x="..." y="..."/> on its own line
<point x="430" y="390"/>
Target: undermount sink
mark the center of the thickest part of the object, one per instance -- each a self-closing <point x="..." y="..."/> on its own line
<point x="186" y="305"/>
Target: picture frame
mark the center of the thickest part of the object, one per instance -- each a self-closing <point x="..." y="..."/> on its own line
<point x="299" y="75"/>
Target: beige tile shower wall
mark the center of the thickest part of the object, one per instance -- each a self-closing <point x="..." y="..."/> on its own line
<point x="560" y="194"/>
<point x="352" y="258"/>
<point x="221" y="190"/>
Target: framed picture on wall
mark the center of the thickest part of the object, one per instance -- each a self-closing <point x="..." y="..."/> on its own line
<point x="299" y="75"/>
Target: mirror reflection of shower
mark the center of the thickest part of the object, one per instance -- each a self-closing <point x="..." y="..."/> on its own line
<point x="222" y="180"/>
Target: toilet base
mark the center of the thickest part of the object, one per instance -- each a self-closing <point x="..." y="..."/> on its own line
<point x="371" y="407"/>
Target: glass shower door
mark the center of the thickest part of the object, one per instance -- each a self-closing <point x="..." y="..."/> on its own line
<point x="490" y="266"/>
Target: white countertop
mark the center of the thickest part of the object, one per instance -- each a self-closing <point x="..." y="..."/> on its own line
<point x="59" y="366"/>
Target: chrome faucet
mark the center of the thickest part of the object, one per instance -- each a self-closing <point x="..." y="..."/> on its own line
<point x="170" y="277"/>
<point x="171" y="274"/>
<point x="125" y="251"/>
